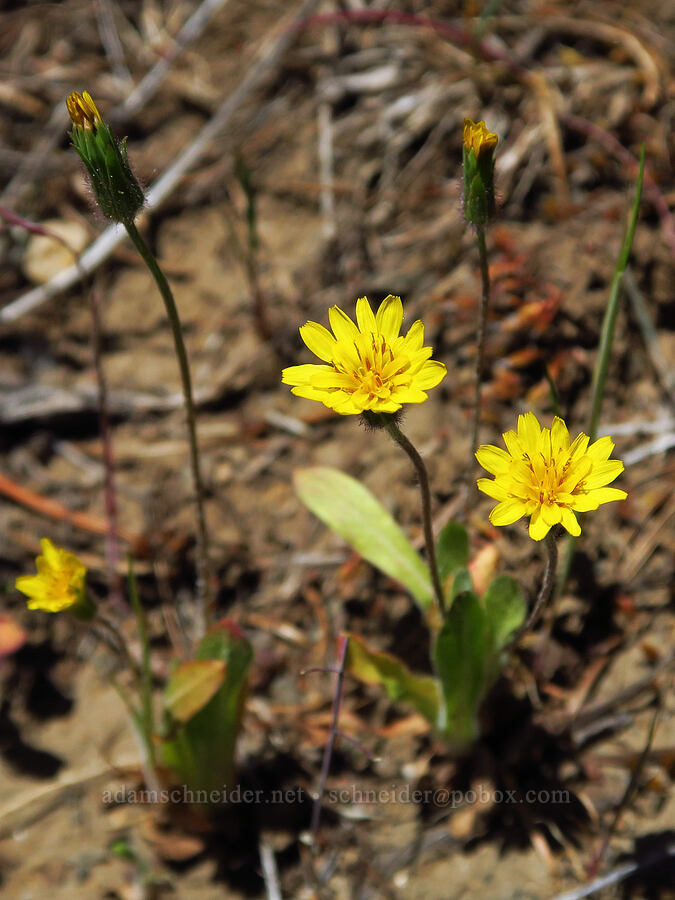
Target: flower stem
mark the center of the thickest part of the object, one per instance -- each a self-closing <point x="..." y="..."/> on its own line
<point x="482" y="328"/>
<point x="545" y="590"/>
<point x="423" y="477"/>
<point x="204" y="591"/>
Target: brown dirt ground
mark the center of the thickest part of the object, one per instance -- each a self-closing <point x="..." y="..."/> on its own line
<point x="395" y="94"/>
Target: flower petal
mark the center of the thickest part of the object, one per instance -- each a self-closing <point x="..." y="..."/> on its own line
<point x="601" y="450"/>
<point x="538" y="527"/>
<point x="529" y="430"/>
<point x="365" y="317"/>
<point x="389" y="317"/>
<point x="551" y="514"/>
<point x="603" y="473"/>
<point x="414" y="339"/>
<point x="592" y="499"/>
<point x="431" y="374"/>
<point x="570" y="522"/>
<point x="494" y="489"/>
<point x="507" y="512"/>
<point x="343" y="328"/>
<point x="302" y="374"/>
<point x="319" y="340"/>
<point x="493" y="459"/>
<point x="560" y="437"/>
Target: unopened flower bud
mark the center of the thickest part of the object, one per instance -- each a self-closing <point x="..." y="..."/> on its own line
<point x="478" y="164"/>
<point x="117" y="192"/>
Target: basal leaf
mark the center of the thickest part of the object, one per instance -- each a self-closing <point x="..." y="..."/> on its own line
<point x="349" y="508"/>
<point x="452" y="549"/>
<point x="505" y="610"/>
<point x="191" y="686"/>
<point x="460" y="661"/>
<point x="375" y="667"/>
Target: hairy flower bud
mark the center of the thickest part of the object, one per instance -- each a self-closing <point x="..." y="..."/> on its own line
<point x="117" y="192"/>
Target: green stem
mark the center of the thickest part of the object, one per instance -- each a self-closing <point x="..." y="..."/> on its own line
<point x="423" y="477"/>
<point x="612" y="311"/>
<point x="605" y="346"/>
<point x="482" y="328"/>
<point x="203" y="580"/>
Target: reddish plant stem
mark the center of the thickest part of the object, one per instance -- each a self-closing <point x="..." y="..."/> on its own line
<point x="334" y="730"/>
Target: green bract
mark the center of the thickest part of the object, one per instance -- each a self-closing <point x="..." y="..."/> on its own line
<point x="117" y="192"/>
<point x="478" y="163"/>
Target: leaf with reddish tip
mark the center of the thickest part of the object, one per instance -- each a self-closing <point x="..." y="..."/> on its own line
<point x="192" y="685"/>
<point x="376" y="667"/>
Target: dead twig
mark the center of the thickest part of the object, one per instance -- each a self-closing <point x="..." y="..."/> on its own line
<point x="268" y="58"/>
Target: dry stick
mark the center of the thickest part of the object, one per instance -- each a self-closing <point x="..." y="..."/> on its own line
<point x="423" y="477"/>
<point x="204" y="586"/>
<point x="655" y="858"/>
<point x="109" y="494"/>
<point x="111" y="41"/>
<point x="151" y="82"/>
<point x="482" y="329"/>
<point x="268" y="864"/>
<point x="267" y="58"/>
<point x="631" y="787"/>
<point x="147" y="88"/>
<point x="328" y="750"/>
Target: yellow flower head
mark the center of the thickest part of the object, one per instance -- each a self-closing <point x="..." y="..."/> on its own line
<point x="478" y="138"/>
<point x="82" y="110"/>
<point x="543" y="476"/>
<point x="370" y="366"/>
<point x="59" y="583"/>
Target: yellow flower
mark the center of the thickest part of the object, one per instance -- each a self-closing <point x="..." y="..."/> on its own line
<point x="544" y="476"/>
<point x="82" y="110"/>
<point x="478" y="138"/>
<point x="370" y="366"/>
<point x="59" y="583"/>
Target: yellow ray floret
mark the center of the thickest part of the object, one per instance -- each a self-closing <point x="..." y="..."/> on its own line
<point x="478" y="138"/>
<point x="370" y="365"/>
<point x="544" y="476"/>
<point x="82" y="110"/>
<point x="59" y="583"/>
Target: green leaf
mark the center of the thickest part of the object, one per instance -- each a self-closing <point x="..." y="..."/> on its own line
<point x="452" y="549"/>
<point x="460" y="660"/>
<point x="201" y="751"/>
<point x="374" y="667"/>
<point x="346" y="506"/>
<point x="191" y="686"/>
<point x="505" y="610"/>
<point x="461" y="583"/>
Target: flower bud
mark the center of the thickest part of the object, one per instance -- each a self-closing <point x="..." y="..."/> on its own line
<point x="117" y="192"/>
<point x="478" y="167"/>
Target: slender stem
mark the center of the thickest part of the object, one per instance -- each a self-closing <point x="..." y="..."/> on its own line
<point x="204" y="591"/>
<point x="545" y="590"/>
<point x="423" y="477"/>
<point x="612" y="310"/>
<point x="605" y="345"/>
<point x="328" y="750"/>
<point x="482" y="328"/>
